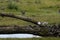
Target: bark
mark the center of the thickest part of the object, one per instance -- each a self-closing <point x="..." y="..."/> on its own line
<point x="9" y="29"/>
<point x="19" y="17"/>
<point x="35" y="30"/>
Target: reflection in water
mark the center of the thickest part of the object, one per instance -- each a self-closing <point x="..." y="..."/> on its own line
<point x="18" y="36"/>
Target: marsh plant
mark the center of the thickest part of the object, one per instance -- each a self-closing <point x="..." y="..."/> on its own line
<point x="12" y="5"/>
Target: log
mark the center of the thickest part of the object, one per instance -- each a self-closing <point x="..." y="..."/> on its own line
<point x="15" y="29"/>
<point x="19" y="17"/>
<point x="44" y="30"/>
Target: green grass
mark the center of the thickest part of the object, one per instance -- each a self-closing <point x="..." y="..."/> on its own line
<point x="48" y="38"/>
<point x="39" y="10"/>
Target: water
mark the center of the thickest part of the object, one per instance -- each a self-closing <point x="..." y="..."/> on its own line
<point x="18" y="36"/>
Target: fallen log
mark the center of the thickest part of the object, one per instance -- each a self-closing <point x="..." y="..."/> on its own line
<point x="15" y="29"/>
<point x="44" y="30"/>
<point x="35" y="30"/>
<point x="19" y="17"/>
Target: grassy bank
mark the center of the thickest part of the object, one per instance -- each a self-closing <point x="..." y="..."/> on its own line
<point x="48" y="38"/>
<point x="39" y="10"/>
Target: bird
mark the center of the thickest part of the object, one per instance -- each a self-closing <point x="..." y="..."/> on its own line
<point x="38" y="23"/>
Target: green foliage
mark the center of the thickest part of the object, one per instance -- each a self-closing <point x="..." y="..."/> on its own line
<point x="39" y="10"/>
<point x="44" y="38"/>
<point x="12" y="5"/>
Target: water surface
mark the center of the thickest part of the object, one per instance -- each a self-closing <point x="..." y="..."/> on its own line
<point x="18" y="36"/>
